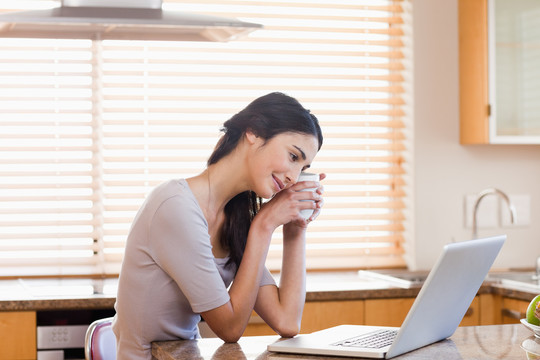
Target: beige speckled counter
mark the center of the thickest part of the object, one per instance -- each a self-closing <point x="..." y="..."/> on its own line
<point x="467" y="343"/>
<point x="66" y="294"/>
<point x="57" y="294"/>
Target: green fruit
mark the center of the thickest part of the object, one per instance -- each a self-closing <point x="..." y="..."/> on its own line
<point x="531" y="318"/>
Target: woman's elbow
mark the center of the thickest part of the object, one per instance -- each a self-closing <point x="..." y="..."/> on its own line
<point x="230" y="338"/>
<point x="288" y="329"/>
<point x="231" y="334"/>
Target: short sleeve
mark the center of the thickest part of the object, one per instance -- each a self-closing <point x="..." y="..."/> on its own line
<point x="267" y="278"/>
<point x="180" y="245"/>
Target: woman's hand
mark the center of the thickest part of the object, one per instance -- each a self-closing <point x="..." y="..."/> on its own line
<point x="290" y="229"/>
<point x="286" y="205"/>
<point x="319" y="203"/>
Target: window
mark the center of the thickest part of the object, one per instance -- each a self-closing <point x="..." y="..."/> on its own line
<point x="88" y="128"/>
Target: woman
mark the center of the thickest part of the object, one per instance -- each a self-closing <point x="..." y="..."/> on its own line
<point x="193" y="236"/>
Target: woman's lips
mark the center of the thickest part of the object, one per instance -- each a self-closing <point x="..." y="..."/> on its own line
<point x="279" y="184"/>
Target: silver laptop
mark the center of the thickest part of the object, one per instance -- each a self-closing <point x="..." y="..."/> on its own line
<point x="436" y="313"/>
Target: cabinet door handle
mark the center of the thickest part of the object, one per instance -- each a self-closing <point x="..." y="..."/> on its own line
<point x="514" y="314"/>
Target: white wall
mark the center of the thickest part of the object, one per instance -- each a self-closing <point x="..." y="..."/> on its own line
<point x="444" y="170"/>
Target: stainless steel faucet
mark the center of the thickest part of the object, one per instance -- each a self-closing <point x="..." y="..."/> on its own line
<point x="481" y="195"/>
<point x="537" y="269"/>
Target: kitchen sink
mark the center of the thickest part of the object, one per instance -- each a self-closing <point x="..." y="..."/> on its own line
<point x="527" y="279"/>
<point x="406" y="279"/>
<point x="401" y="278"/>
<point x="67" y="288"/>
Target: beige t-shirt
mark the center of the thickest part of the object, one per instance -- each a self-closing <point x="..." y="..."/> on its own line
<point x="169" y="274"/>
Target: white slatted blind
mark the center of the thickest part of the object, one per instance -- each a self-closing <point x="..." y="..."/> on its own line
<point x="89" y="128"/>
<point x="46" y="157"/>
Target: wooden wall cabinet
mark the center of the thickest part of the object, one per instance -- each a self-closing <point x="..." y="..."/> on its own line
<point x="513" y="120"/>
<point x="18" y="335"/>
<point x="473" y="72"/>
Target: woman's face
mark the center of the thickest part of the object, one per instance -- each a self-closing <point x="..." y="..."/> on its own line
<point x="276" y="164"/>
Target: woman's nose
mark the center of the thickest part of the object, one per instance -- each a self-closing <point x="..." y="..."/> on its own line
<point x="293" y="178"/>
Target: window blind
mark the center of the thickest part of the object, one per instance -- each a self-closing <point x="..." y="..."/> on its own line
<point x="46" y="157"/>
<point x="89" y="128"/>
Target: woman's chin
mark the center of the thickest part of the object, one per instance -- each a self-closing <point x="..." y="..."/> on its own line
<point x="266" y="197"/>
<point x="267" y="194"/>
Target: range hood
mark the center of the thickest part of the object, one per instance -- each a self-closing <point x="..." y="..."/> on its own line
<point x="120" y="20"/>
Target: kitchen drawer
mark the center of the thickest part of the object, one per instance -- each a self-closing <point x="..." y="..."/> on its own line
<point x="317" y="315"/>
<point x="392" y="312"/>
<point x="472" y="316"/>
<point x="18" y="335"/>
<point x="512" y="310"/>
<point x="387" y="312"/>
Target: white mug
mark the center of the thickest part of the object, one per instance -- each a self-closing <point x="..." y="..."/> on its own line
<point x="305" y="176"/>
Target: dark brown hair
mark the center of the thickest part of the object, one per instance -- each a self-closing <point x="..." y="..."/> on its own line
<point x="267" y="116"/>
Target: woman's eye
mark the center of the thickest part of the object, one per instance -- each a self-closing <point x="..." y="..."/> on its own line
<point x="294" y="157"/>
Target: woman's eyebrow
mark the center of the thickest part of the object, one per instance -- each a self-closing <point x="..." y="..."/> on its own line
<point x="301" y="152"/>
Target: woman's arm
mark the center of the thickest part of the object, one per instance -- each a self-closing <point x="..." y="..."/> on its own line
<point x="230" y="320"/>
<point x="281" y="308"/>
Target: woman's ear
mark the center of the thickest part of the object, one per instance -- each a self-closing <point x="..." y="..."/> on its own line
<point x="251" y="137"/>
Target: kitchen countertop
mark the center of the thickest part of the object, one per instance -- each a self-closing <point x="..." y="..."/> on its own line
<point x="64" y="294"/>
<point x="57" y="294"/>
<point x="469" y="342"/>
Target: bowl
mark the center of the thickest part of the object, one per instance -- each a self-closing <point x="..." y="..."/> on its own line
<point x="535" y="329"/>
<point x="531" y="345"/>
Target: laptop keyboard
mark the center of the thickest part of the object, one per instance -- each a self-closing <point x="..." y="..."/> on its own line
<point x="373" y="340"/>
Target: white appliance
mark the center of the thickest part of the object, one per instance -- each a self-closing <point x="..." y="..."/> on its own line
<point x="52" y="341"/>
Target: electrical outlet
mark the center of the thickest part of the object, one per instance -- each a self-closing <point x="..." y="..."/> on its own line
<point x="487" y="214"/>
<point x="522" y="204"/>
